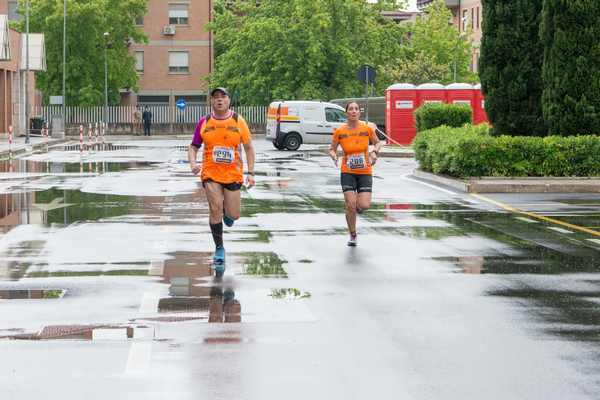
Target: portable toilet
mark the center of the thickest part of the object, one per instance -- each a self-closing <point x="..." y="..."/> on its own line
<point x="400" y="105"/>
<point x="479" y="113"/>
<point x="461" y="94"/>
<point x="430" y="93"/>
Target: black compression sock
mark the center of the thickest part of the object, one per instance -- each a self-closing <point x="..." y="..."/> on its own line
<point x="217" y="233"/>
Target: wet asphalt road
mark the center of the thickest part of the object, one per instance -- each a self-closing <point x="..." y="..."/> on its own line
<point x="447" y="296"/>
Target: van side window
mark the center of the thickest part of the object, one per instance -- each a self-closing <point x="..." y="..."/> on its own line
<point x="312" y="113"/>
<point x="334" y="115"/>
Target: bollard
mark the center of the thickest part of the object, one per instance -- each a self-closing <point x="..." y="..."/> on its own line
<point x="10" y="141"/>
<point x="45" y="133"/>
<point x="81" y="140"/>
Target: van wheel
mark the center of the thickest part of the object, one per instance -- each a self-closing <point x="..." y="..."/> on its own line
<point x="292" y="141"/>
<point x="278" y="146"/>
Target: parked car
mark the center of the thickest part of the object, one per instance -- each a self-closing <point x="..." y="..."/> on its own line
<point x="293" y="123"/>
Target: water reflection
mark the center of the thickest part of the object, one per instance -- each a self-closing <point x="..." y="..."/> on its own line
<point x="194" y="289"/>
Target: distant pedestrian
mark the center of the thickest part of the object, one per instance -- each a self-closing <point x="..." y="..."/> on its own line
<point x="147" y="118"/>
<point x="137" y="121"/>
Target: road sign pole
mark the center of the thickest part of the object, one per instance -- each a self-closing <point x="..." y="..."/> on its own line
<point x="367" y="95"/>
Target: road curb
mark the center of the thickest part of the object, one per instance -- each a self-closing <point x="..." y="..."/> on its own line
<point x="21" y="148"/>
<point x="457" y="184"/>
<point x="382" y="153"/>
<point x="515" y="184"/>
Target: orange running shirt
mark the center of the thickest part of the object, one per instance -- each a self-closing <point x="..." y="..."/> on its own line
<point x="355" y="143"/>
<point x="222" y="138"/>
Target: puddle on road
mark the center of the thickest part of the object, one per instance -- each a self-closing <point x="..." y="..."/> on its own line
<point x="73" y="274"/>
<point x="28" y="166"/>
<point x="289" y="294"/>
<point x="31" y="294"/>
<point x="187" y="274"/>
<point x="574" y="315"/>
<point x="264" y="265"/>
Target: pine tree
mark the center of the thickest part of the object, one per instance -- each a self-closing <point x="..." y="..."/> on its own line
<point x="510" y="66"/>
<point x="570" y="34"/>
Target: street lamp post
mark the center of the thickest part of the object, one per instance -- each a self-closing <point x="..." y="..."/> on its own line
<point x="64" y="77"/>
<point x="27" y="72"/>
<point x="106" y="79"/>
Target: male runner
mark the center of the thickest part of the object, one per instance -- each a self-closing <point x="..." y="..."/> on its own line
<point x="222" y="132"/>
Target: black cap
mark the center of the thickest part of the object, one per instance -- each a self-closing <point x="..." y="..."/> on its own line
<point x="219" y="89"/>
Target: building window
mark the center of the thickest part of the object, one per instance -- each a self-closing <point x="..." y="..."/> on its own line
<point x="12" y="11"/>
<point x="465" y="19"/>
<point x="178" y="14"/>
<point x="472" y="18"/>
<point x="478" y="16"/>
<point x="178" y="62"/>
<point x="139" y="61"/>
<point x="139" y="21"/>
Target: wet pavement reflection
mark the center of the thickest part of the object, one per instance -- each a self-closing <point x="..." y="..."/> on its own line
<point x="120" y="241"/>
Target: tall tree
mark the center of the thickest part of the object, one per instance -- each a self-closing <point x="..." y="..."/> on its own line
<point x="435" y="50"/>
<point x="300" y="49"/>
<point x="87" y="20"/>
<point x="571" y="99"/>
<point x="510" y="66"/>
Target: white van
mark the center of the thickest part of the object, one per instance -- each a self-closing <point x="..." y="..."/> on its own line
<point x="292" y="123"/>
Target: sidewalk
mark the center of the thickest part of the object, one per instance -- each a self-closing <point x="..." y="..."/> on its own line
<point x="387" y="151"/>
<point x="514" y="184"/>
<point x="19" y="145"/>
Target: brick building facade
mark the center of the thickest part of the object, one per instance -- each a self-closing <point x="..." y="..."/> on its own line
<point x="179" y="54"/>
<point x="12" y="99"/>
<point x="468" y="15"/>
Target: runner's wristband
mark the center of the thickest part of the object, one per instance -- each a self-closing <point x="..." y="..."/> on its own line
<point x="250" y="173"/>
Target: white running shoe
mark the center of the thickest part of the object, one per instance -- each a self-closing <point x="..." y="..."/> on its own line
<point x="353" y="241"/>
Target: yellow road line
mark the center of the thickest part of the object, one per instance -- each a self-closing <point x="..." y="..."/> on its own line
<point x="536" y="216"/>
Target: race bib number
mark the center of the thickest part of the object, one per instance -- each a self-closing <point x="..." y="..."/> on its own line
<point x="356" y="161"/>
<point x="223" y="155"/>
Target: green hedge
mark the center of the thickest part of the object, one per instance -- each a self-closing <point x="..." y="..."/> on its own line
<point x="472" y="151"/>
<point x="432" y="115"/>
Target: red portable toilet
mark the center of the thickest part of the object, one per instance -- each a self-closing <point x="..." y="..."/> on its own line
<point x="401" y="102"/>
<point x="461" y="94"/>
<point x="479" y="114"/>
<point x="430" y="93"/>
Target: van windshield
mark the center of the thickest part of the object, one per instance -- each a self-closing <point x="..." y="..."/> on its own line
<point x="335" y="115"/>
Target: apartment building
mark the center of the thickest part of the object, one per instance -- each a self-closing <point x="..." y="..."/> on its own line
<point x="12" y="70"/>
<point x="467" y="15"/>
<point x="179" y="54"/>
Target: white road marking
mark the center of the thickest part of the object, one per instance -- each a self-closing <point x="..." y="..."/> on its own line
<point x="405" y="177"/>
<point x="528" y="220"/>
<point x="140" y="356"/>
<point x="560" y="230"/>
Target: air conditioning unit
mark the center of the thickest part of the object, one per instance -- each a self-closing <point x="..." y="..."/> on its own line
<point x="168" y="30"/>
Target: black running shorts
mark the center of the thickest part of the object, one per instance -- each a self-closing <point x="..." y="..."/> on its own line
<point x="232" y="187"/>
<point x="356" y="183"/>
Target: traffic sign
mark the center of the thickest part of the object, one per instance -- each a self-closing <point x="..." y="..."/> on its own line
<point x="181" y="104"/>
<point x="367" y="74"/>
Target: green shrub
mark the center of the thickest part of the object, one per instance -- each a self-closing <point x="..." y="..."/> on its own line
<point x="472" y="151"/>
<point x="432" y="115"/>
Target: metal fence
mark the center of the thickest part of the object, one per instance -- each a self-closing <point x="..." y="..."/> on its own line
<point x="161" y="114"/>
